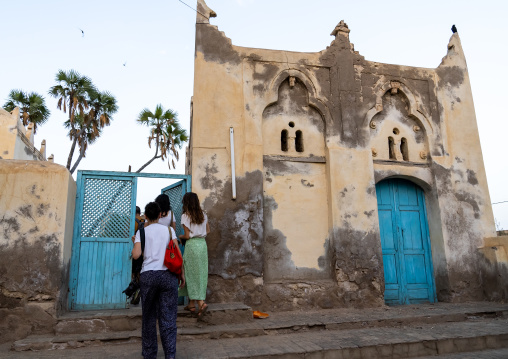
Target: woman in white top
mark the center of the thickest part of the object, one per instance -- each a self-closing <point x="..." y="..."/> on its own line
<point x="195" y="256"/>
<point x="167" y="216"/>
<point x="159" y="286"/>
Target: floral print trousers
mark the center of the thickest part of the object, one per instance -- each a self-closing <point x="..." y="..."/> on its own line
<point x="159" y="300"/>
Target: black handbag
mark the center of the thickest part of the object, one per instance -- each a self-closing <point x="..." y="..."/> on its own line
<point x="137" y="264"/>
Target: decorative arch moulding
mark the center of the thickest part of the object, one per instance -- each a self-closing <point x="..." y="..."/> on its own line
<point x="308" y="80"/>
<point x="394" y="86"/>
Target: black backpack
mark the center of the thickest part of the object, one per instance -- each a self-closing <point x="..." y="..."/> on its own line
<point x="137" y="264"/>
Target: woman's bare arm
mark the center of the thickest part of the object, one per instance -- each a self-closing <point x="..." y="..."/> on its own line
<point x="186" y="234"/>
<point x="136" y="251"/>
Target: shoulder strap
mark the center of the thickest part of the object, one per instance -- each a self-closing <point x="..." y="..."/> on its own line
<point x="142" y="235"/>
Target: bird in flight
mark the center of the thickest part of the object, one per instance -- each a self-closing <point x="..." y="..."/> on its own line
<point x="82" y="32"/>
<point x="454" y="29"/>
<point x="125" y="63"/>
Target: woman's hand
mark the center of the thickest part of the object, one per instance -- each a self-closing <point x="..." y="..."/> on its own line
<point x="133" y="239"/>
<point x="181" y="279"/>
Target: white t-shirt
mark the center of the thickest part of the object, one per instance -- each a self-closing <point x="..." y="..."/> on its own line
<point x="196" y="230"/>
<point x="166" y="221"/>
<point x="156" y="241"/>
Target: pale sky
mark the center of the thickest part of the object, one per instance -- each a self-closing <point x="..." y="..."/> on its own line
<point x="155" y="41"/>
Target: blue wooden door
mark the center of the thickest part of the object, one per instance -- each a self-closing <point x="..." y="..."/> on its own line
<point x="405" y="243"/>
<point x="103" y="225"/>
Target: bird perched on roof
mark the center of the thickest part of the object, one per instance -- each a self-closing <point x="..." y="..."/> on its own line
<point x="454" y="29"/>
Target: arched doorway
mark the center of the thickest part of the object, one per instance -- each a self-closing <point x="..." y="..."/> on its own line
<point x="405" y="242"/>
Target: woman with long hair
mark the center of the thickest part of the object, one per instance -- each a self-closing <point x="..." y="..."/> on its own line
<point x="195" y="257"/>
<point x="167" y="216"/>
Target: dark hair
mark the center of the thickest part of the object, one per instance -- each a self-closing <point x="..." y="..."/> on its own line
<point x="192" y="208"/>
<point x="138" y="210"/>
<point x="152" y="211"/>
<point x="165" y="205"/>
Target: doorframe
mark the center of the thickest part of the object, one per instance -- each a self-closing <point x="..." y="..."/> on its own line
<point x="78" y="212"/>
<point x="427" y="243"/>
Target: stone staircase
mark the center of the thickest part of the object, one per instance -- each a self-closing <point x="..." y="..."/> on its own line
<point x="229" y="331"/>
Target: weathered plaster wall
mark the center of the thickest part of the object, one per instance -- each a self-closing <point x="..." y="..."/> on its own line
<point x="466" y="211"/>
<point x="36" y="218"/>
<point x="16" y="142"/>
<point x="494" y="255"/>
<point x="304" y="229"/>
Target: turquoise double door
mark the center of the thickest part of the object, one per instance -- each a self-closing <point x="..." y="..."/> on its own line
<point x="405" y="243"/>
<point x="103" y="225"/>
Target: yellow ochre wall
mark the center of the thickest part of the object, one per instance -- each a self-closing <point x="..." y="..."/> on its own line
<point x="303" y="230"/>
<point x="36" y="222"/>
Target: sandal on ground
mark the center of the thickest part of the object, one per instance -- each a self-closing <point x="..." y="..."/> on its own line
<point x="190" y="308"/>
<point x="202" y="310"/>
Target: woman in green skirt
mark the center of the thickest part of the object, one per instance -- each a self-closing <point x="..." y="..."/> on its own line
<point x="195" y="256"/>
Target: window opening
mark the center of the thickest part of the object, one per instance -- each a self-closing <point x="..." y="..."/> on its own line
<point x="291" y="124"/>
<point x="299" y="141"/>
<point x="404" y="149"/>
<point x="391" y="148"/>
<point x="284" y="140"/>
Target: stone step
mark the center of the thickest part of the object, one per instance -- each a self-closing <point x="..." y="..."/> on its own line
<point x="484" y="354"/>
<point x="466" y="339"/>
<point x="277" y="324"/>
<point x="401" y="342"/>
<point x="343" y="319"/>
<point x="125" y="320"/>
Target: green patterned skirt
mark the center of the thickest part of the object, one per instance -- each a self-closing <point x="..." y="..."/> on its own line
<point x="195" y="265"/>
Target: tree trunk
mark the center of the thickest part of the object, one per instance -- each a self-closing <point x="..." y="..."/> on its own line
<point x="81" y="155"/>
<point x="71" y="153"/>
<point x="153" y="158"/>
<point x="146" y="164"/>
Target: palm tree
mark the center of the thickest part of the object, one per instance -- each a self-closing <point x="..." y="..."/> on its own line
<point x="165" y="131"/>
<point x="32" y="107"/>
<point x="88" y="126"/>
<point x="73" y="92"/>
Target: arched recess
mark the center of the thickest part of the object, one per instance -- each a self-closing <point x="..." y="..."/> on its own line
<point x="405" y="242"/>
<point x="415" y="110"/>
<point x="291" y="109"/>
<point x="308" y="80"/>
<point x="295" y="185"/>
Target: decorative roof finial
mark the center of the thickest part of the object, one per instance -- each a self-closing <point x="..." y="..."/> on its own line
<point x="341" y="28"/>
<point x="203" y="13"/>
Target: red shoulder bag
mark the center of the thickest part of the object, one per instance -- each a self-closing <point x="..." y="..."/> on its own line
<point x="173" y="259"/>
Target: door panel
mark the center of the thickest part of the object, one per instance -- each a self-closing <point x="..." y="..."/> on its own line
<point x="102" y="244"/>
<point x="405" y="244"/>
<point x="175" y="193"/>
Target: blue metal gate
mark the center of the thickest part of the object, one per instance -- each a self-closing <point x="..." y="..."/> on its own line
<point x="405" y="243"/>
<point x="103" y="226"/>
<point x="175" y="193"/>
